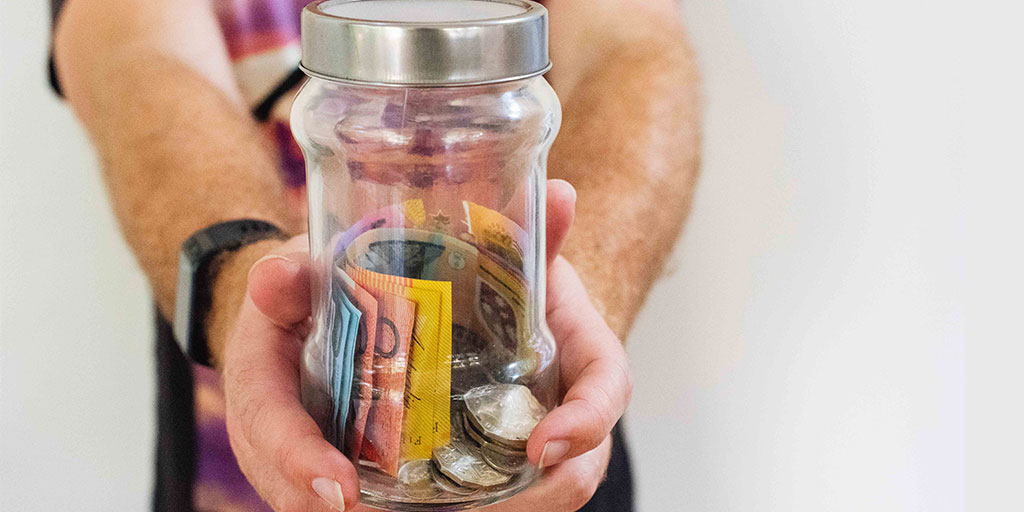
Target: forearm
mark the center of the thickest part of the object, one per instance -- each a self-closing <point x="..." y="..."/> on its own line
<point x="178" y="152"/>
<point x="630" y="144"/>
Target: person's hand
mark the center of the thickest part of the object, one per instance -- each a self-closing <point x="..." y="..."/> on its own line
<point x="574" y="441"/>
<point x="279" y="447"/>
<point x="282" y="452"/>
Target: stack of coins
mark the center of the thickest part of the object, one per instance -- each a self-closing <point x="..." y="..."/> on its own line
<point x="417" y="480"/>
<point x="487" y="448"/>
<point x="459" y="469"/>
<point x="499" y="419"/>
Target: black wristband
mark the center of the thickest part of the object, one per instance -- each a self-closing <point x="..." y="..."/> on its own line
<point x="196" y="271"/>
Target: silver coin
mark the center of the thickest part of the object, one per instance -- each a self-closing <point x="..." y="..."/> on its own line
<point x="505" y="413"/>
<point x="446" y="484"/>
<point x="472" y="421"/>
<point x="464" y="465"/>
<point x="510" y="465"/>
<point x="471" y="432"/>
<point x="416" y="479"/>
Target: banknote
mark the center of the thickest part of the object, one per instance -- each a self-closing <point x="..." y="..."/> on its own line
<point x="315" y="383"/>
<point x="409" y="213"/>
<point x="335" y="362"/>
<point x="498" y="235"/>
<point x="503" y="297"/>
<point x="491" y="301"/>
<point x="383" y="434"/>
<point x="428" y="255"/>
<point x="347" y="360"/>
<point x="490" y="297"/>
<point x="427" y="420"/>
<point x="362" y="383"/>
<point x="504" y="309"/>
<point x="412" y="253"/>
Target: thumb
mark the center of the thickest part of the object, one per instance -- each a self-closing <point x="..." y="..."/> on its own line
<point x="561" y="205"/>
<point x="279" y="286"/>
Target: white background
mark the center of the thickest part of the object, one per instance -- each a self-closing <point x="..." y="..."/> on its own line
<point x="804" y="352"/>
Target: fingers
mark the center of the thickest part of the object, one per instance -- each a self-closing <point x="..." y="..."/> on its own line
<point x="561" y="205"/>
<point x="594" y="370"/>
<point x="270" y="484"/>
<point x="278" y="444"/>
<point x="565" y="487"/>
<point x="590" y="409"/>
<point x="279" y="284"/>
<point x="261" y="387"/>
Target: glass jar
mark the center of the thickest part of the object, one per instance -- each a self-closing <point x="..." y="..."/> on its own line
<point x="425" y="127"/>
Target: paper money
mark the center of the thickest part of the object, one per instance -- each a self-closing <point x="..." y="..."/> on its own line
<point x="491" y="299"/>
<point x="383" y="435"/>
<point x="315" y="383"/>
<point x="502" y="307"/>
<point x="335" y="360"/>
<point x="344" y="341"/>
<point x="409" y="213"/>
<point x="362" y="384"/>
<point x="413" y="253"/>
<point x="429" y="255"/>
<point x="427" y="420"/>
<point x="502" y="296"/>
<point x="498" y="235"/>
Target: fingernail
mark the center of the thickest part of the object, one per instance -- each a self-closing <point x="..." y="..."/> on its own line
<point x="330" y="491"/>
<point x="268" y="258"/>
<point x="553" y="453"/>
<point x="571" y="188"/>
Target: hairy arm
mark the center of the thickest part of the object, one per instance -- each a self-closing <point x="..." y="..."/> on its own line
<point x="152" y="84"/>
<point x="630" y="142"/>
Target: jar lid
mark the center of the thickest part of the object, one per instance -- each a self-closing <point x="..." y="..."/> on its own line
<point x="424" y="43"/>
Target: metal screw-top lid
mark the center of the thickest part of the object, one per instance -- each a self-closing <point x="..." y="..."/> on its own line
<point x="424" y="43"/>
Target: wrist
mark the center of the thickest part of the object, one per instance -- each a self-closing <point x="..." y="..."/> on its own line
<point x="230" y="279"/>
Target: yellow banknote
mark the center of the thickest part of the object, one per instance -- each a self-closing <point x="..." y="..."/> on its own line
<point x="427" y="419"/>
<point x="504" y="308"/>
<point x="498" y="235"/>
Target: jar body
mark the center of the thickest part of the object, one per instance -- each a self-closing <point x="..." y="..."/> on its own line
<point x="429" y="354"/>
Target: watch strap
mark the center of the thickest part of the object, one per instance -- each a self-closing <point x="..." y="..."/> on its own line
<point x="197" y="265"/>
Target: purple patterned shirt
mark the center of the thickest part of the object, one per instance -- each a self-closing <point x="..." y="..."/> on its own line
<point x="262" y="38"/>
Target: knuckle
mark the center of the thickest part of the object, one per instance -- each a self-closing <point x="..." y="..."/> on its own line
<point x="594" y="436"/>
<point x="598" y="410"/>
<point x="254" y="418"/>
<point x="286" y="455"/>
<point x="242" y="377"/>
<point x="289" y="455"/>
<point x="231" y="425"/>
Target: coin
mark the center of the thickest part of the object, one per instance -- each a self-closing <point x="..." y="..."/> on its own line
<point x="416" y="479"/>
<point x="471" y="432"/>
<point x="510" y="465"/>
<point x="504" y="413"/>
<point x="446" y="484"/>
<point x="464" y="465"/>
